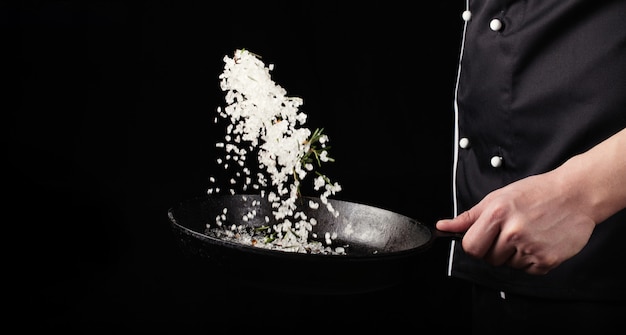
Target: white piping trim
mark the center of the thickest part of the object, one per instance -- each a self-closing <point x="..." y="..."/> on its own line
<point x="450" y="257"/>
<point x="456" y="139"/>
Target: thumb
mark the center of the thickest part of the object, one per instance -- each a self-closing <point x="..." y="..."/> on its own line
<point x="459" y="224"/>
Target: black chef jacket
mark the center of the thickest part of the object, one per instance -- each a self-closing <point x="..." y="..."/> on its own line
<point x="540" y="81"/>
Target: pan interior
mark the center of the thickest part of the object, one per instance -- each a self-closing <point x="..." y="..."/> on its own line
<point x="364" y="230"/>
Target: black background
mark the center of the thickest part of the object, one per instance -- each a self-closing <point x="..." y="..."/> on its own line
<point x="114" y="125"/>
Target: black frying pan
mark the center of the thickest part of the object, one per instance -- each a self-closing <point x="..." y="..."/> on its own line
<point x="381" y="251"/>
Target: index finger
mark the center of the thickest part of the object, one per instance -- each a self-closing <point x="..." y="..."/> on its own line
<point x="483" y="233"/>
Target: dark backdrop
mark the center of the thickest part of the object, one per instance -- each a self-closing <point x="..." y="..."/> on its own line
<point x="114" y="126"/>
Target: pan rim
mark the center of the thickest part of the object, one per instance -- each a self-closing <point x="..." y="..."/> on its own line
<point x="232" y="245"/>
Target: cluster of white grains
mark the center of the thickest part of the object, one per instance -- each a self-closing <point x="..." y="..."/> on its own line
<point x="263" y="121"/>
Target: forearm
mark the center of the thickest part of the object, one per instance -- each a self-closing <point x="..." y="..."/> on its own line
<point x="596" y="179"/>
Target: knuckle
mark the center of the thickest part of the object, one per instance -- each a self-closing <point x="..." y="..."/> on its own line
<point x="471" y="249"/>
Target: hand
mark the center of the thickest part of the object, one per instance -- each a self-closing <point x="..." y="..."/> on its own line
<point x="531" y="224"/>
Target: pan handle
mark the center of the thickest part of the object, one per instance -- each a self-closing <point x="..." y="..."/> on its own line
<point x="447" y="234"/>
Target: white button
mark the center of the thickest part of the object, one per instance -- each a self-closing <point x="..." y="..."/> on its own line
<point x="464" y="143"/>
<point x="467" y="15"/>
<point x="495" y="24"/>
<point x="496" y="161"/>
